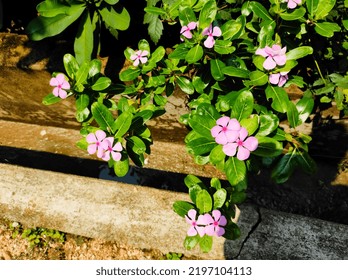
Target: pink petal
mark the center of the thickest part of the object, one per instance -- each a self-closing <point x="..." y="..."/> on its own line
<point x="251" y="143"/>
<point x="232" y="135"/>
<point x="217" y="31"/>
<point x="201" y="231"/>
<point x="116" y="156"/>
<point x="276" y="48"/>
<point x="280" y="59"/>
<point x="291" y="4"/>
<point x="269" y="51"/>
<point x="269" y="63"/>
<point x="222" y="221"/>
<point x="56" y="91"/>
<point x="187" y="34"/>
<point x="106" y="156"/>
<point x="90" y="138"/>
<point x="209" y="42"/>
<point x="221" y="139"/>
<point x="216" y="130"/>
<point x="192" y="214"/>
<point x="233" y="124"/>
<point x="261" y="52"/>
<point x="133" y="57"/>
<point x="210" y="230"/>
<point x="220" y="231"/>
<point x="201" y="220"/>
<point x="192" y="25"/>
<point x="208" y="219"/>
<point x="243" y="153"/>
<point x="61" y="78"/>
<point x="216" y="214"/>
<point x="207" y="30"/>
<point x="282" y="80"/>
<point x="143" y="60"/>
<point x="144" y="53"/>
<point x="100" y="134"/>
<point x="66" y="85"/>
<point x="91" y="149"/>
<point x="274" y="78"/>
<point x="62" y="93"/>
<point x="136" y="62"/>
<point x="54" y="82"/>
<point x="192" y="231"/>
<point x="118" y="147"/>
<point x="223" y="121"/>
<point x="243" y="133"/>
<point x="109" y="140"/>
<point x="230" y="149"/>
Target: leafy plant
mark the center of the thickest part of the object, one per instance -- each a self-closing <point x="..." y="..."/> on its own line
<point x="234" y="61"/>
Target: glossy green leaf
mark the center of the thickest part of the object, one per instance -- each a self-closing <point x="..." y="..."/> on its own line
<point x="101" y="84"/>
<point x="200" y="146"/>
<point x="204" y="202"/>
<point x="268" y="147"/>
<point x="51" y="8"/>
<point x="129" y="74"/>
<point x="279" y="98"/>
<point x="230" y="28"/>
<point x="217" y="155"/>
<point x="82" y="115"/>
<point x="155" y="10"/>
<point x="136" y="145"/>
<point x="94" y="68"/>
<point x="103" y="116"/>
<point x="250" y="124"/>
<point x="312" y="6"/>
<point x="82" y="74"/>
<point x="182" y="207"/>
<point x="122" y="124"/>
<point x="191" y="241"/>
<point x="216" y="66"/>
<point x="243" y="106"/>
<point x="121" y="167"/>
<point x="194" y="54"/>
<point x="235" y="72"/>
<point x="215" y="183"/>
<point x="206" y="243"/>
<point x="179" y="53"/>
<point x="83" y="44"/>
<point x="235" y="171"/>
<point x="258" y="78"/>
<point x="50" y="99"/>
<point x="114" y="19"/>
<point x="299" y="52"/>
<point x="82" y="101"/>
<point x="219" y="198"/>
<point x="323" y="9"/>
<point x="224" y="47"/>
<point x="207" y="14"/>
<point x="284" y="168"/>
<point x="293" y="115"/>
<point x="305" y="108"/>
<point x="260" y="10"/>
<point x="268" y="123"/>
<point x="306" y="163"/>
<point x="185" y="84"/>
<point x="293" y="14"/>
<point x="327" y="29"/>
<point x="71" y="66"/>
<point x="192" y="181"/>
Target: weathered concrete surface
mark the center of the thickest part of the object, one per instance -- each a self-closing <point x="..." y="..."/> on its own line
<point x="134" y="215"/>
<point x="281" y="236"/>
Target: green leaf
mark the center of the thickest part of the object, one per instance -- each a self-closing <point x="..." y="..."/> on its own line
<point x="216" y="66"/>
<point x="192" y="181"/>
<point x="219" y="198"/>
<point x="206" y="243"/>
<point x="155" y="27"/>
<point x="103" y="116"/>
<point x="82" y="74"/>
<point x="260" y="10"/>
<point x="204" y="202"/>
<point x="50" y="99"/>
<point x="82" y="115"/>
<point x="101" y="84"/>
<point x="155" y="10"/>
<point x="284" y="168"/>
<point x="82" y="102"/>
<point x="232" y="231"/>
<point x="43" y="27"/>
<point x="122" y="124"/>
<point x="185" y="84"/>
<point x="230" y="28"/>
<point x="194" y="54"/>
<point x="250" y="124"/>
<point x="327" y="29"/>
<point x="268" y="123"/>
<point x="207" y="14"/>
<point x="129" y="74"/>
<point x="121" y="167"/>
<point x="179" y="52"/>
<point x="279" y="98"/>
<point x="51" y="8"/>
<point x="235" y="72"/>
<point x="115" y="20"/>
<point x="217" y="155"/>
<point x="136" y="145"/>
<point x="224" y="47"/>
<point x="323" y="9"/>
<point x="235" y="170"/>
<point x="293" y="115"/>
<point x="268" y="147"/>
<point x="293" y="14"/>
<point x="304" y="161"/>
<point x="83" y="44"/>
<point x="200" y="146"/>
<point x="215" y="183"/>
<point x="71" y="66"/>
<point x="182" y="207"/>
<point x="305" y="107"/>
<point x="191" y="241"/>
<point x="94" y="68"/>
<point x="258" y="78"/>
<point x="299" y="52"/>
<point x="243" y="106"/>
<point x="312" y="6"/>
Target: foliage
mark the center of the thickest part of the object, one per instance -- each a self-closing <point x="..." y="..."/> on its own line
<point x="38" y="236"/>
<point x="234" y="61"/>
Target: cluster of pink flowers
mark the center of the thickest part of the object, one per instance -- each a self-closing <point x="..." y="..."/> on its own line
<point x="104" y="146"/>
<point x="210" y="31"/>
<point x="208" y="224"/>
<point x="275" y="56"/>
<point x="234" y="138"/>
<point x="292" y="4"/>
<point x="139" y="56"/>
<point x="61" y="86"/>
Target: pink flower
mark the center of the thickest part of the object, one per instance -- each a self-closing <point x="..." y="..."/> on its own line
<point x="215" y="223"/>
<point x="243" y="144"/>
<point x="211" y="32"/>
<point x="186" y="30"/>
<point x="274" y="56"/>
<point x="113" y="150"/>
<point x="139" y="56"/>
<point x="278" y="78"/>
<point x="226" y="130"/>
<point x="96" y="143"/>
<point x="197" y="226"/>
<point x="61" y="85"/>
<point x="292" y="4"/>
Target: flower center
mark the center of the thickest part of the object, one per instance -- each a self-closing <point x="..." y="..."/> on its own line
<point x="97" y="143"/>
<point x="240" y="143"/>
<point x="224" y="128"/>
<point x="194" y="223"/>
<point x="215" y="223"/>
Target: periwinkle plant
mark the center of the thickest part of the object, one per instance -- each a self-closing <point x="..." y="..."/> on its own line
<point x="234" y="60"/>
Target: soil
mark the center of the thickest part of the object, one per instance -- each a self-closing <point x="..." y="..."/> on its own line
<point x="14" y="247"/>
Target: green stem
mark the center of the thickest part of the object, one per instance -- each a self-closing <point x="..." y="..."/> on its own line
<point x="321" y="75"/>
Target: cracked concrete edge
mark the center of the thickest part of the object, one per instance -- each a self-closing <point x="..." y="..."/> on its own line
<point x="272" y="235"/>
<point x="138" y="216"/>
